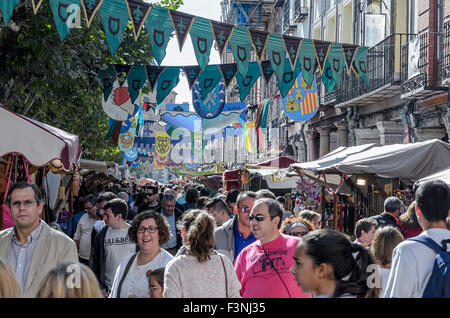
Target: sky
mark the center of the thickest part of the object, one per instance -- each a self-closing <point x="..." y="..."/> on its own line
<point x="209" y="9"/>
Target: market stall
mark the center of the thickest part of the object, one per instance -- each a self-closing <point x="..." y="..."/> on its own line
<point x="443" y="175"/>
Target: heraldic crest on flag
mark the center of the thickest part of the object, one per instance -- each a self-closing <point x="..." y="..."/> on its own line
<point x="300" y="103"/>
<point x="162" y="143"/>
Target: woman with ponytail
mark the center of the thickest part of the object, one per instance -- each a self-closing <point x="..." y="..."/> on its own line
<point x="200" y="272"/>
<point x="328" y="264"/>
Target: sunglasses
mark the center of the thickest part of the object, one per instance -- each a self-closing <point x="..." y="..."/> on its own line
<point x="258" y="217"/>
<point x="298" y="233"/>
<point x="245" y="209"/>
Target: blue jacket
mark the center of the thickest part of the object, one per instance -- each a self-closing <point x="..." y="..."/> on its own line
<point x="72" y="223"/>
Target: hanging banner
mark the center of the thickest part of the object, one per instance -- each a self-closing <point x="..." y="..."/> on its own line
<point x="153" y="73"/>
<point x="359" y="63"/>
<point x="162" y="144"/>
<point x="7" y="9"/>
<point x="136" y="80"/>
<point x="246" y="83"/>
<point x="126" y="140"/>
<point x="336" y="61"/>
<point x="241" y="46"/>
<point x="138" y="12"/>
<point x="259" y="42"/>
<point x="160" y="162"/>
<point x="349" y="53"/>
<point x="321" y="50"/>
<point x="202" y="39"/>
<point x="307" y="59"/>
<point x="228" y="72"/>
<point x="181" y="23"/>
<point x="64" y="12"/>
<point x="266" y="70"/>
<point x="288" y="79"/>
<point x="301" y="102"/>
<point x="208" y="80"/>
<point x="192" y="73"/>
<point x="413" y="57"/>
<point x="107" y="78"/>
<point x="275" y="51"/>
<point x="292" y="44"/>
<point x="222" y="34"/>
<point x="168" y="79"/>
<point x="159" y="29"/>
<point x="214" y="102"/>
<point x="122" y="71"/>
<point x="114" y="14"/>
<point x="118" y="105"/>
<point x="90" y="8"/>
<point x="327" y="77"/>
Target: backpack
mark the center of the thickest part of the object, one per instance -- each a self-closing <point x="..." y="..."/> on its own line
<point x="438" y="285"/>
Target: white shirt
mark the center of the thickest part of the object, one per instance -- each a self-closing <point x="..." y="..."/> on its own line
<point x="412" y="265"/>
<point x="384" y="276"/>
<point x="136" y="281"/>
<point x="83" y="235"/>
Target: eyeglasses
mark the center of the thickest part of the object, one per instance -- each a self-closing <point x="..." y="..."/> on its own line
<point x="150" y="229"/>
<point x="258" y="217"/>
<point x="245" y="209"/>
<point x="298" y="233"/>
<point x="26" y="203"/>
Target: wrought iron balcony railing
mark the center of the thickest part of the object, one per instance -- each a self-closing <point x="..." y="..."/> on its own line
<point x="445" y="71"/>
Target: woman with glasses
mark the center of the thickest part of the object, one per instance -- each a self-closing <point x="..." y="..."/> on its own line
<point x="296" y="226"/>
<point x="149" y="230"/>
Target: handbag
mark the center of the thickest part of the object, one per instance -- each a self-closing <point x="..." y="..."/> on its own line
<point x="226" y="278"/>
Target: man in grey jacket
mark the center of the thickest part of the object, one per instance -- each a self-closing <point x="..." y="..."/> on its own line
<point x="31" y="247"/>
<point x="234" y="235"/>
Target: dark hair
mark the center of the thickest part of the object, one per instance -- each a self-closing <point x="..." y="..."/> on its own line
<point x="220" y="205"/>
<point x="232" y="196"/>
<point x="204" y="192"/>
<point x="309" y="215"/>
<point x="201" y="202"/>
<point x="90" y="199"/>
<point x="364" y="225"/>
<point x="281" y="199"/>
<point x="264" y="193"/>
<point x="117" y="206"/>
<point x="334" y="248"/>
<point x="158" y="274"/>
<point x="392" y="204"/>
<point x="433" y="199"/>
<point x="161" y="223"/>
<point x="106" y="196"/>
<point x="200" y="237"/>
<point x="275" y="209"/>
<point x="100" y="187"/>
<point x="244" y="195"/>
<point x="23" y="185"/>
<point x="192" y="196"/>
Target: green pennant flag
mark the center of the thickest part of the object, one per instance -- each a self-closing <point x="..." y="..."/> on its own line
<point x="307" y="59"/>
<point x="192" y="73"/>
<point x="360" y="63"/>
<point x="208" y="80"/>
<point x="202" y="39"/>
<point x="276" y="52"/>
<point x="7" y="8"/>
<point x="114" y="14"/>
<point x="241" y="46"/>
<point x="349" y="53"/>
<point x="259" y="41"/>
<point x="138" y="12"/>
<point x="222" y="34"/>
<point x="159" y="29"/>
<point x="321" y="49"/>
<point x="228" y="72"/>
<point x="266" y="70"/>
<point x="167" y="81"/>
<point x="153" y="73"/>
<point x="292" y="44"/>
<point x="64" y="13"/>
<point x="336" y="61"/>
<point x="182" y="23"/>
<point x="136" y="80"/>
<point x="327" y="77"/>
<point x="286" y="82"/>
<point x="246" y="83"/>
<point x="107" y="78"/>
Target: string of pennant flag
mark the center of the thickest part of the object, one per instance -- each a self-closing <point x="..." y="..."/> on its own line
<point x="286" y="54"/>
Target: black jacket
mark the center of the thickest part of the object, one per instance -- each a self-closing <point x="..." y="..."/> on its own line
<point x="385" y="219"/>
<point x="178" y="216"/>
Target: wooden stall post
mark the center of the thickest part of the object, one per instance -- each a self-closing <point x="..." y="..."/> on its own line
<point x="322" y="205"/>
<point x="335" y="212"/>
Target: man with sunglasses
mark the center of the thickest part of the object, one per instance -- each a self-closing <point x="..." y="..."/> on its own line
<point x="263" y="266"/>
<point x="234" y="235"/>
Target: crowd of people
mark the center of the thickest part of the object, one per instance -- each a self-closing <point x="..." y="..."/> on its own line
<point x="131" y="241"/>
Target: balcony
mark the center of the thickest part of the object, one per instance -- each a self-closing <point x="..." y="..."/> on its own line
<point x="445" y="70"/>
<point x="300" y="10"/>
<point x="384" y="71"/>
<point x="425" y="81"/>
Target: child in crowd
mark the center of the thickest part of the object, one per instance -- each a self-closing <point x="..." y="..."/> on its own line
<point x="156" y="283"/>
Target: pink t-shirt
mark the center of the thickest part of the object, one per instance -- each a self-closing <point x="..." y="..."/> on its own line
<point x="257" y="276"/>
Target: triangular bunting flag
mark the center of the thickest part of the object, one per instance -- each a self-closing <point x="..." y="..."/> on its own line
<point x="138" y="11"/>
<point x="64" y="12"/>
<point x="159" y="29"/>
<point x="107" y="78"/>
<point x="122" y="71"/>
<point x="228" y="72"/>
<point x="36" y="5"/>
<point x="202" y="40"/>
<point x="241" y="46"/>
<point x="153" y="73"/>
<point x="136" y="80"/>
<point x="336" y="62"/>
<point x="214" y="102"/>
<point x="90" y="8"/>
<point x="288" y="79"/>
<point x="321" y="49"/>
<point x="307" y="60"/>
<point x="167" y="80"/>
<point x="181" y="23"/>
<point x="360" y="63"/>
<point x="276" y="52"/>
<point x="266" y="70"/>
<point x="246" y="83"/>
<point x="259" y="41"/>
<point x="115" y="17"/>
<point x="327" y="77"/>
<point x="349" y="53"/>
<point x="192" y="73"/>
<point x="7" y="8"/>
<point x="222" y="34"/>
<point x="292" y="44"/>
<point x="208" y="80"/>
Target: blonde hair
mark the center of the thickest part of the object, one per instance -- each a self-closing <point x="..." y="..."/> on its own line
<point x="383" y="244"/>
<point x="70" y="280"/>
<point x="9" y="286"/>
<point x="200" y="237"/>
